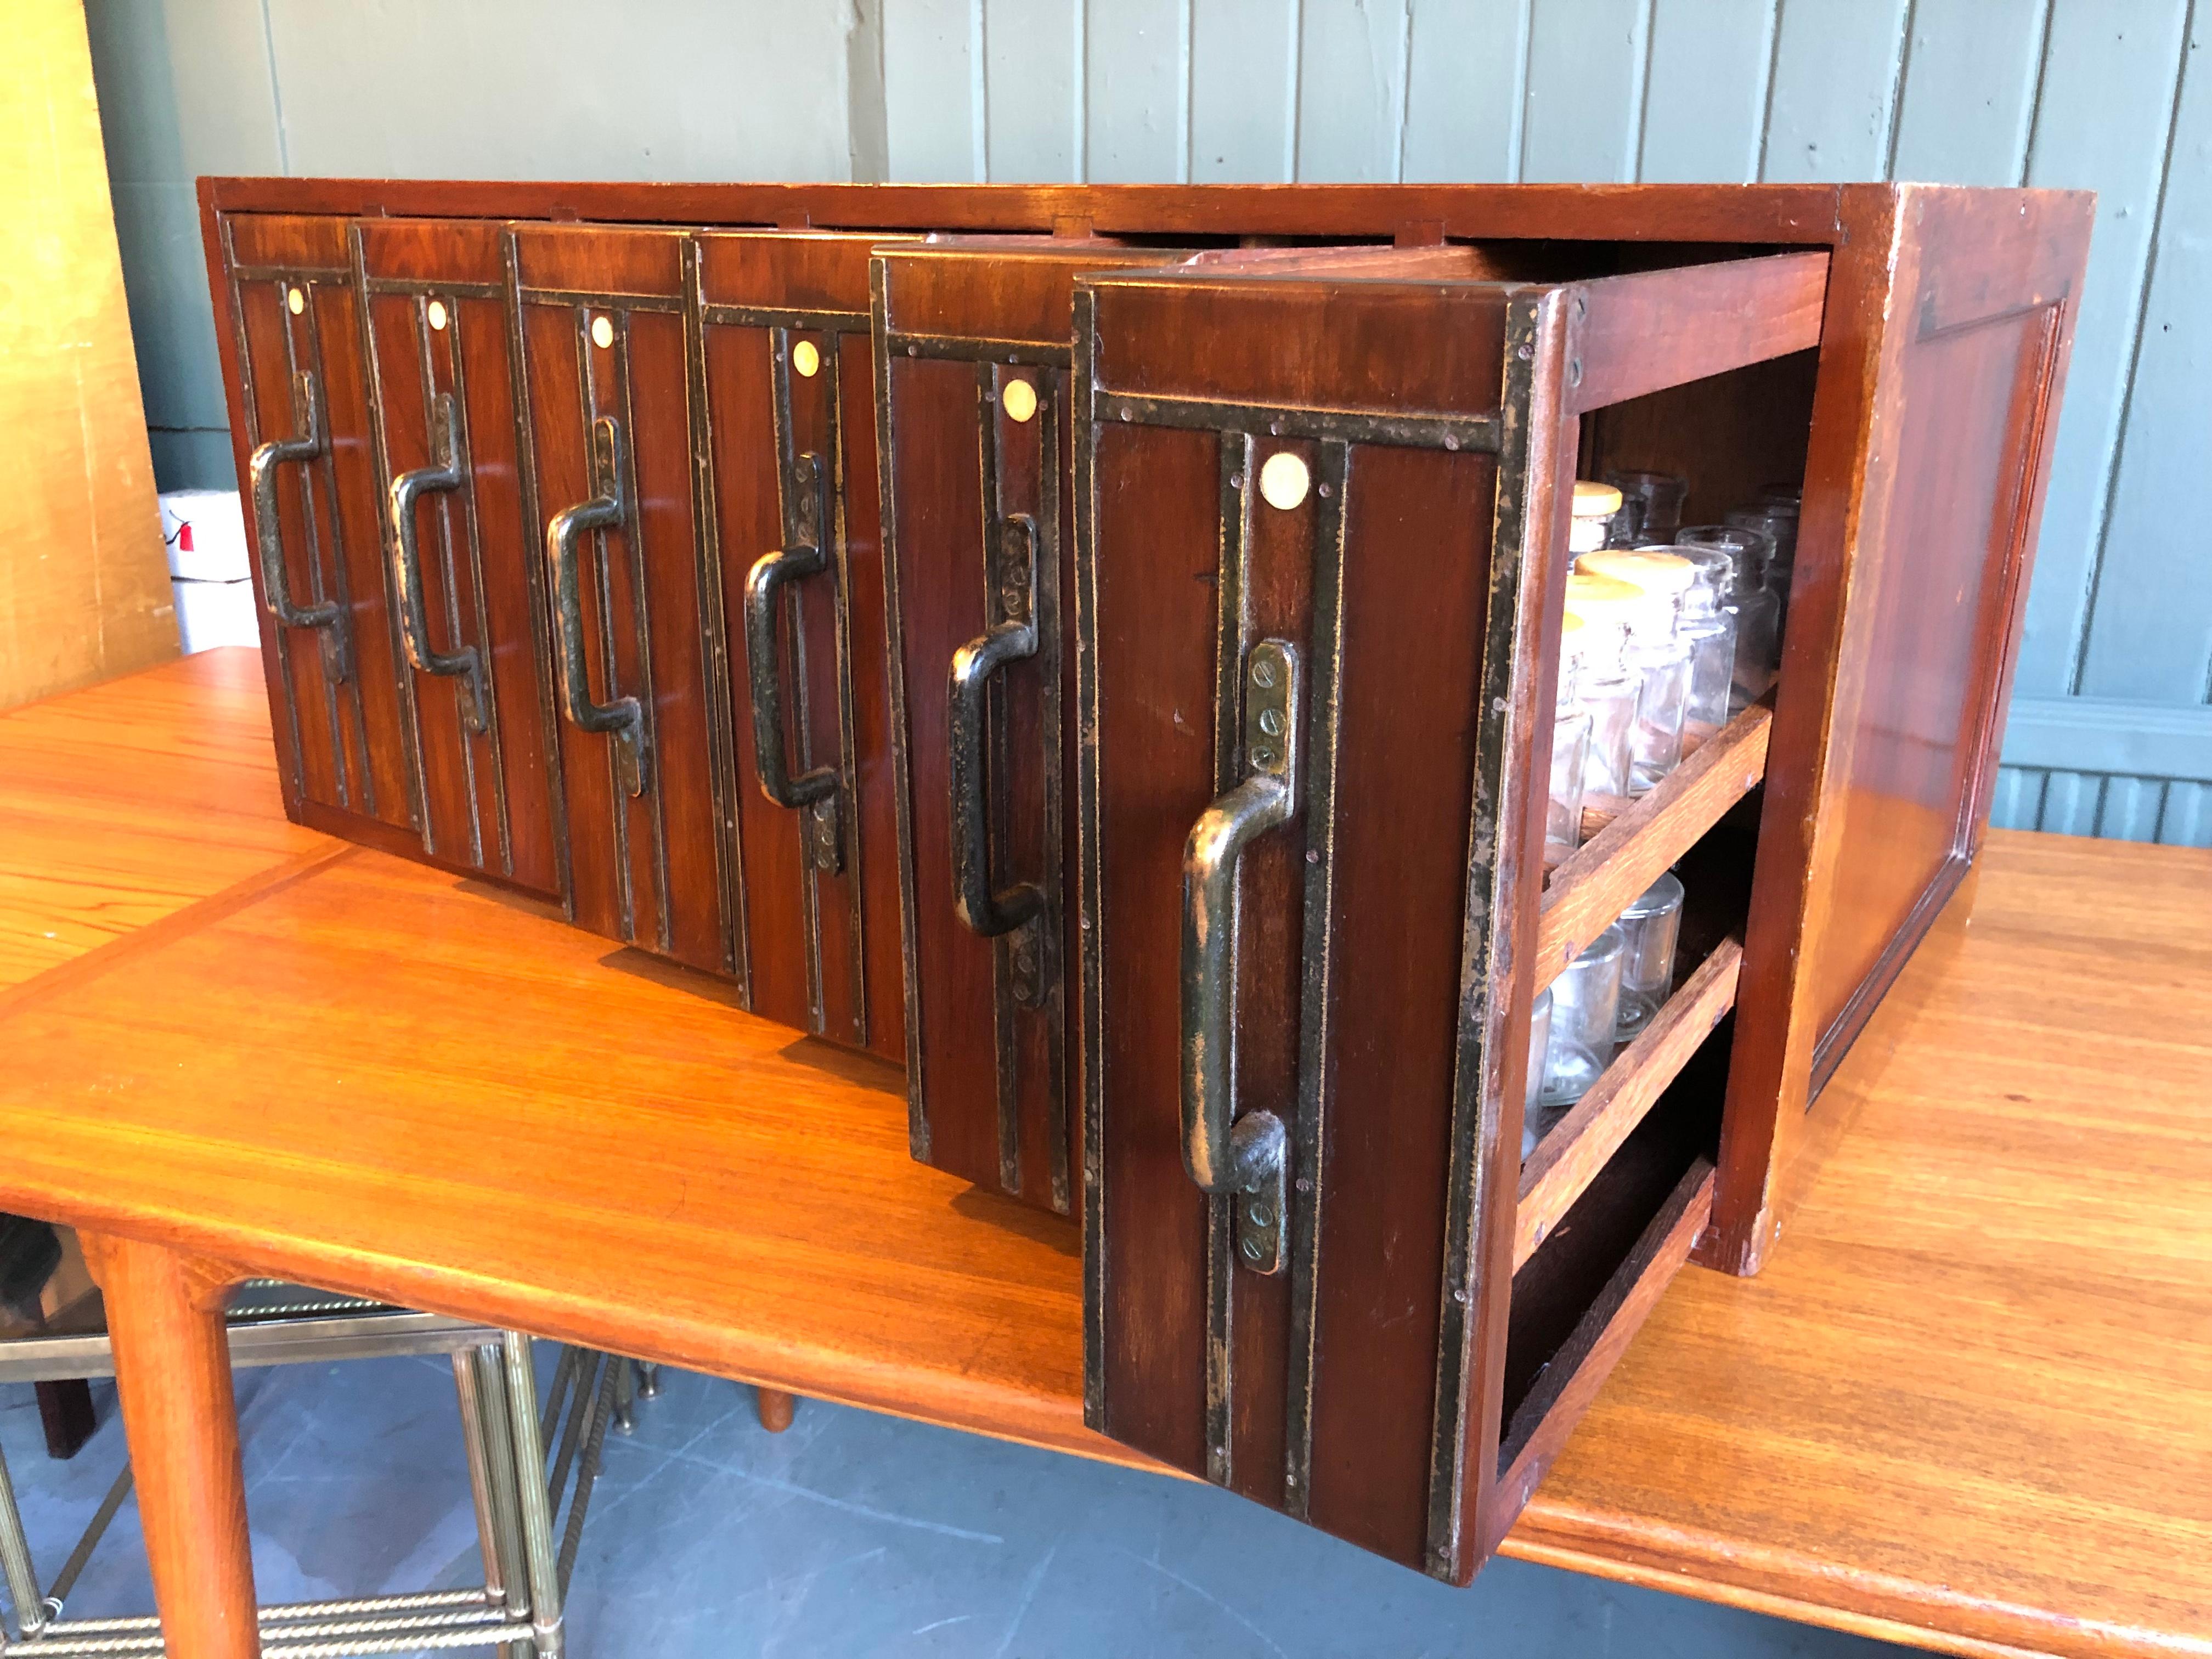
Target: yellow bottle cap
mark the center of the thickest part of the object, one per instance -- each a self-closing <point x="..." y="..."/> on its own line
<point x="1595" y="501"/>
<point x="1652" y="571"/>
<point x="1597" y="598"/>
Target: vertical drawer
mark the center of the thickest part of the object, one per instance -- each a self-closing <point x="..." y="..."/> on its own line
<point x="612" y="414"/>
<point x="973" y="385"/>
<point x="791" y="502"/>
<point x="1314" y="918"/>
<point x="462" y="542"/>
<point x="341" y="708"/>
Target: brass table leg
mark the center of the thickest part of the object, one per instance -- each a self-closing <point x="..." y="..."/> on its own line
<point x="173" y="1375"/>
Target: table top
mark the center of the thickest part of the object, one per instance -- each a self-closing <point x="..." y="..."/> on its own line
<point x="1968" y="1404"/>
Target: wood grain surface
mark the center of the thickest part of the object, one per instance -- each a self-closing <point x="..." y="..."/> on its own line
<point x="173" y="1375"/>
<point x="1982" y="1350"/>
<point x="128" y="801"/>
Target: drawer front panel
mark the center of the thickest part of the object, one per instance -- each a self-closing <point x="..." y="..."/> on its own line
<point x="792" y="495"/>
<point x="979" y="527"/>
<point x="467" y="572"/>
<point x="342" y="711"/>
<point x="1286" y="1334"/>
<point x="609" y="412"/>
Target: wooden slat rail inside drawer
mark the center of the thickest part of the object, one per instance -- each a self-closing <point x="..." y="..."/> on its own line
<point x="1566" y="1159"/>
<point x="1607" y="872"/>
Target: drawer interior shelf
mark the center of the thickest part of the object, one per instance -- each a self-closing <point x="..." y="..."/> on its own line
<point x="1604" y="874"/>
<point x="1584" y="1294"/>
<point x="1568" y="1159"/>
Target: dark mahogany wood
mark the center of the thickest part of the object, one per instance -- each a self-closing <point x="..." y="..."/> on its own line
<point x="290" y="300"/>
<point x="972" y="491"/>
<point x="783" y="321"/>
<point x="440" y="327"/>
<point x="1313" y="1388"/>
<point x="645" y="867"/>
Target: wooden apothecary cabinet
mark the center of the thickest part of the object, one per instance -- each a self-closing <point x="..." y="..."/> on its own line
<point x="861" y="592"/>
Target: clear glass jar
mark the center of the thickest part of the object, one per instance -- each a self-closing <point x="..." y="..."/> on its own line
<point x="1570" y="736"/>
<point x="1657" y="657"/>
<point x="1776" y="518"/>
<point x="1649" y="929"/>
<point x="1655" y="502"/>
<point x="1757" y="609"/>
<point x="1596" y="512"/>
<point x="1603" y="686"/>
<point x="1585" y="1007"/>
<point x="1533" y="1121"/>
<point x="1707" y="625"/>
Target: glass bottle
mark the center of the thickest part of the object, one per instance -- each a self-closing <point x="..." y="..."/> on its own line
<point x="1540" y="1042"/>
<point x="1596" y="508"/>
<point x="1705" y="624"/>
<point x="1649" y="928"/>
<point x="1655" y="502"/>
<point x="1571" y="736"/>
<point x="1603" y="686"/>
<point x="1775" y="518"/>
<point x="1585" y="1008"/>
<point x="1757" y="609"/>
<point x="1657" y="657"/>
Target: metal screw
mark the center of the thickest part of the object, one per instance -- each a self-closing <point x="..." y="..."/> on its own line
<point x="1312" y="855"/>
<point x="1261" y="1216"/>
<point x="1263" y="671"/>
<point x="1451" y="441"/>
<point x="1250" y="1248"/>
<point x="1326" y="490"/>
<point x="1263" y="756"/>
<point x="1237" y="480"/>
<point x="1525" y="351"/>
<point x="1574" y="371"/>
<point x="1271" y="721"/>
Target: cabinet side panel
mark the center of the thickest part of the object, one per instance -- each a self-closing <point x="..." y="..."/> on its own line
<point x="1969" y="402"/>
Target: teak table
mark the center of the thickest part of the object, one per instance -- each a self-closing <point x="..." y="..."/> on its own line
<point x="1965" y="1405"/>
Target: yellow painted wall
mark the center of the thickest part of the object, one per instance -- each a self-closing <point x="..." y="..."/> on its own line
<point x="84" y="583"/>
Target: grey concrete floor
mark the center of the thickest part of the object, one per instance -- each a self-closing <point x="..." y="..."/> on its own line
<point x="852" y="1535"/>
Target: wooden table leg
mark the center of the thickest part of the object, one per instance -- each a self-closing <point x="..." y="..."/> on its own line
<point x="776" y="1408"/>
<point x="173" y="1376"/>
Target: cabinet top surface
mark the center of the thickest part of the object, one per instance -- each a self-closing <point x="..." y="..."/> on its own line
<point x="1966" y="1403"/>
<point x="1781" y="213"/>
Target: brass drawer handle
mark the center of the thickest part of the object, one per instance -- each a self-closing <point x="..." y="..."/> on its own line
<point x="624" y="720"/>
<point x="1248" y="1156"/>
<point x="988" y="911"/>
<point x="447" y="469"/>
<point x="816" y="792"/>
<point x="306" y="445"/>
